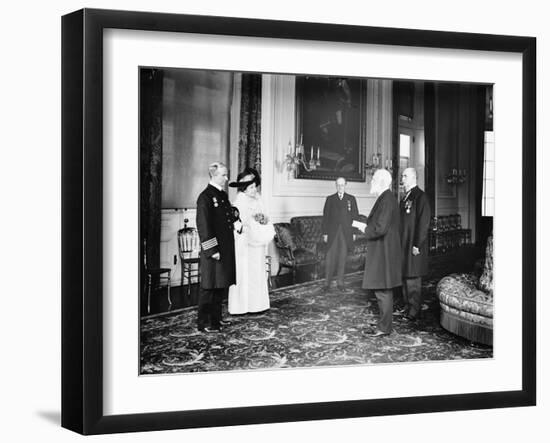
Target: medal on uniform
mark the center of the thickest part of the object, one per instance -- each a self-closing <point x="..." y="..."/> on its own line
<point x="349" y="206"/>
<point x="408" y="205"/>
<point x="215" y="200"/>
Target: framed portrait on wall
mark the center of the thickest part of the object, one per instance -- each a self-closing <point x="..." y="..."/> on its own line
<point x="331" y="127"/>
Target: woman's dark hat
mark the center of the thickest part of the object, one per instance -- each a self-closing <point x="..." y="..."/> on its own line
<point x="244" y="179"/>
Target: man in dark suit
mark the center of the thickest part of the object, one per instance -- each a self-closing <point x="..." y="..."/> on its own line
<point x="216" y="221"/>
<point x="338" y="214"/>
<point x="383" y="257"/>
<point x="415" y="221"/>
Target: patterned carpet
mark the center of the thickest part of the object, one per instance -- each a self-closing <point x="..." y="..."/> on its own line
<point x="305" y="327"/>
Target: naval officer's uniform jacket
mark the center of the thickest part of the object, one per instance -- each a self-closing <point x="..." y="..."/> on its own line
<point x="215" y="225"/>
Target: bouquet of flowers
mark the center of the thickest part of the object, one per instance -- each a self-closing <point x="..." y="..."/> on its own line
<point x="261" y="218"/>
<point x="261" y="231"/>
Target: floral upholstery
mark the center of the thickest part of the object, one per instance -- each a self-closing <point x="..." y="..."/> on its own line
<point x="459" y="291"/>
<point x="466" y="302"/>
<point x="486" y="279"/>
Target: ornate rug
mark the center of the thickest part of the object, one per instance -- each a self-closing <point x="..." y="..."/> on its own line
<point x="304" y="327"/>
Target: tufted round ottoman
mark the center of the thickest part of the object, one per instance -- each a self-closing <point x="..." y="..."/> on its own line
<point x="466" y="302"/>
<point x="465" y="310"/>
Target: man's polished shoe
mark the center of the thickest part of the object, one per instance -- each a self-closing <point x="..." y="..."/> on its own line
<point x="378" y="334"/>
<point x="225" y="323"/>
<point x="400" y="311"/>
<point x="210" y="330"/>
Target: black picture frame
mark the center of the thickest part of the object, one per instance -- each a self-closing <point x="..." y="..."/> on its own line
<point x="82" y="218"/>
<point x="331" y="127"/>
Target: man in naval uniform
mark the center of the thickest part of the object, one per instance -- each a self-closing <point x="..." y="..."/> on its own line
<point x="415" y="221"/>
<point x="338" y="214"/>
<point x="216" y="221"/>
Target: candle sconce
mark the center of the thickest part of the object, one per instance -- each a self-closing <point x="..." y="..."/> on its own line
<point x="371" y="168"/>
<point x="295" y="157"/>
<point x="456" y="176"/>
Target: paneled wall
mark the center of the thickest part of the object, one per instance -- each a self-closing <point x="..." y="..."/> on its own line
<point x="287" y="196"/>
<point x="196" y="127"/>
<point x="171" y="221"/>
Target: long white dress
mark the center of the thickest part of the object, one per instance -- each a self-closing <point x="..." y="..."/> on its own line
<point x="250" y="293"/>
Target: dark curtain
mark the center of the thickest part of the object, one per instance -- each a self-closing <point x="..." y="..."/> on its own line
<point x="405" y="98"/>
<point x="250" y="122"/>
<point x="429" y="140"/>
<point x="150" y="152"/>
<point x="477" y="102"/>
<point x="395" y="137"/>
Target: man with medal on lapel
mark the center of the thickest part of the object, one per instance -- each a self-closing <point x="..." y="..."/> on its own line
<point x="338" y="215"/>
<point x="415" y="221"/>
<point x="216" y="221"/>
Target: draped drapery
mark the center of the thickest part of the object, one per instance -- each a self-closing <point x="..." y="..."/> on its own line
<point x="250" y="122"/>
<point x="150" y="150"/>
<point x="429" y="140"/>
<point x="477" y="123"/>
<point x="459" y="125"/>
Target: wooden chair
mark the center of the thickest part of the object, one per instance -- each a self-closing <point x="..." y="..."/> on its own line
<point x="268" y="272"/>
<point x="189" y="252"/>
<point x="158" y="273"/>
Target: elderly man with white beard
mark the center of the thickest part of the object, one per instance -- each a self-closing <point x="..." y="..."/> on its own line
<point x="383" y="257"/>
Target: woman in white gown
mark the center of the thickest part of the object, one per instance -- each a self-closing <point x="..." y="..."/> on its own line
<point x="250" y="293"/>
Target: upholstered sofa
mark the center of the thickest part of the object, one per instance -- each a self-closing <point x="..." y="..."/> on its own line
<point x="466" y="302"/>
<point x="300" y="243"/>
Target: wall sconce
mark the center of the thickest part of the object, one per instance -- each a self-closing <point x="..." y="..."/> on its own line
<point x="295" y="157"/>
<point x="456" y="176"/>
<point x="372" y="167"/>
<point x="377" y="164"/>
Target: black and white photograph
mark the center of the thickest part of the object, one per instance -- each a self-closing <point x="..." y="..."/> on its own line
<point x="302" y="221"/>
<point x="275" y="221"/>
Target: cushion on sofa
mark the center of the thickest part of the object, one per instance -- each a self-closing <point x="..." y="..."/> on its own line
<point x="285" y="236"/>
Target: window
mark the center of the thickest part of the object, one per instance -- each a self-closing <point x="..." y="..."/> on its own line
<point x="404" y="145"/>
